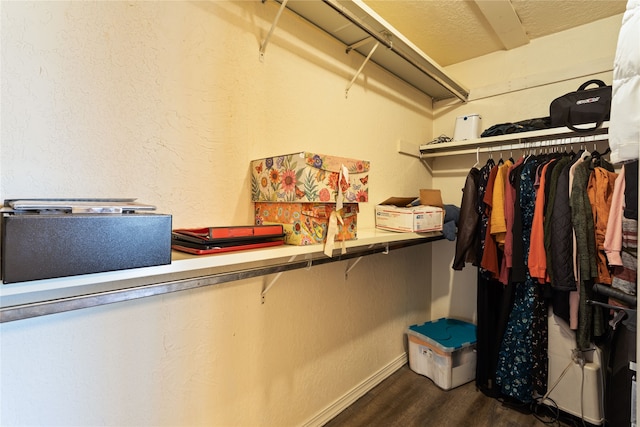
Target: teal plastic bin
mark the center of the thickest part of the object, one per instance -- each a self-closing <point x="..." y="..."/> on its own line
<point x="443" y="350"/>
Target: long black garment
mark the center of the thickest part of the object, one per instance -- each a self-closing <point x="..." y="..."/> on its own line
<point x="493" y="307"/>
<point x="552" y="184"/>
<point x="631" y="190"/>
<point x="518" y="269"/>
<point x="562" y="235"/>
<point x="469" y="246"/>
<point x="559" y="222"/>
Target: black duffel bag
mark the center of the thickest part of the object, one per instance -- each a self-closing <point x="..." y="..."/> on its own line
<point x="585" y="106"/>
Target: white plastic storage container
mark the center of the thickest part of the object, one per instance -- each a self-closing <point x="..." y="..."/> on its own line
<point x="443" y="350"/>
<point x="467" y="127"/>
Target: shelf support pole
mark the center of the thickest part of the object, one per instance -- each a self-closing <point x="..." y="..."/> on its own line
<point x="373" y="49"/>
<point x="263" y="46"/>
<point x="358" y="44"/>
<point x="351" y="266"/>
<point x="273" y="281"/>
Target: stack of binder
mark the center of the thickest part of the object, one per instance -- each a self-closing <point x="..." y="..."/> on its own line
<point x="211" y="240"/>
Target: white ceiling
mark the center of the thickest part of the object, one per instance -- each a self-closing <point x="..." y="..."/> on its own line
<point x="452" y="31"/>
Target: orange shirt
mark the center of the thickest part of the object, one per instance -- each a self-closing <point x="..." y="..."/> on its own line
<point x="537" y="254"/>
<point x="600" y="192"/>
<point x="498" y="217"/>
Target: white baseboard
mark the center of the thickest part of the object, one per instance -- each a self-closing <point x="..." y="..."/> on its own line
<point x="356" y="393"/>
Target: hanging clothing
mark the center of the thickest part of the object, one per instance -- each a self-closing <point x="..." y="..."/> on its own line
<point x="591" y="318"/>
<point x="537" y="255"/>
<point x="498" y="215"/>
<point x="624" y="125"/>
<point x="574" y="295"/>
<point x="631" y="190"/>
<point x="512" y="336"/>
<point x="561" y="234"/>
<point x="483" y="209"/>
<point x="490" y="261"/>
<point x="600" y="192"/>
<point x="621" y="242"/>
<point x="518" y="266"/>
<point x="556" y="169"/>
<point x="559" y="296"/>
<point x="522" y="367"/>
<point x="494" y="301"/>
<point x="613" y="235"/>
<point x="509" y="214"/>
<point x="467" y="241"/>
<point x="625" y="276"/>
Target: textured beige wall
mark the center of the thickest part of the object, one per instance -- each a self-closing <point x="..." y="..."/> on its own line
<point x="168" y="102"/>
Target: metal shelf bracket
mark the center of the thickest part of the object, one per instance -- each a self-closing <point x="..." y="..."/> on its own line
<point x="351" y="265"/>
<point x="265" y="42"/>
<point x="275" y="278"/>
<point x="373" y="49"/>
<point x="358" y="44"/>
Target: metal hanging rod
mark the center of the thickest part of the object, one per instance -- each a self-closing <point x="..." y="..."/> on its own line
<point x="512" y="142"/>
<point x="545" y="143"/>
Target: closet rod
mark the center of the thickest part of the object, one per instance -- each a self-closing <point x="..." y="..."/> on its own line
<point x="518" y="144"/>
<point x="577" y="140"/>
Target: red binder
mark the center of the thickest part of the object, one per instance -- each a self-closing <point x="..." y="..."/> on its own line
<point x="211" y="240"/>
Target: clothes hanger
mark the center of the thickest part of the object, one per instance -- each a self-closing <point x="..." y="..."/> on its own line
<point x="477" y="158"/>
<point x="531" y="154"/>
<point x="490" y="161"/>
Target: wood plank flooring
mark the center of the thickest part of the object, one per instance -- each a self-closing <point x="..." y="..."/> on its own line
<point x="407" y="399"/>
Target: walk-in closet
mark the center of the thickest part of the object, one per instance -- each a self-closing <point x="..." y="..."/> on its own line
<point x="174" y="105"/>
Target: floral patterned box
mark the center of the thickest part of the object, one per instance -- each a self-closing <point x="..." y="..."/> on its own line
<point x="309" y="177"/>
<point x="307" y="223"/>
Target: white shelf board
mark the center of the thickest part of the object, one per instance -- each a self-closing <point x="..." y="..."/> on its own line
<point x="562" y="135"/>
<point x="351" y="21"/>
<point x="190" y="265"/>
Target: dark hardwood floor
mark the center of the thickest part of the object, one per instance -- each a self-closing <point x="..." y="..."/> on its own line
<point x="408" y="399"/>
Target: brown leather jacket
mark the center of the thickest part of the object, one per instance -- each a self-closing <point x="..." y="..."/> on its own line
<point x="467" y="242"/>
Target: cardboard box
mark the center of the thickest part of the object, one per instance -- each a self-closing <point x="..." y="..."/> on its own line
<point x="394" y="215"/>
<point x="309" y="177"/>
<point x="56" y="245"/>
<point x="444" y="351"/>
<point x="307" y="223"/>
<point x="431" y="197"/>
